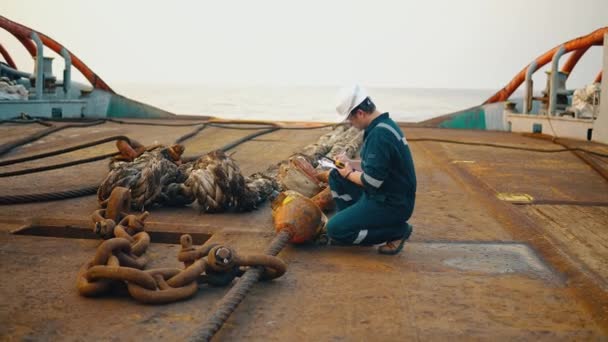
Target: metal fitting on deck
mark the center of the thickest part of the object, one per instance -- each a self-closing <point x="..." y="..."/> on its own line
<point x="297" y="214"/>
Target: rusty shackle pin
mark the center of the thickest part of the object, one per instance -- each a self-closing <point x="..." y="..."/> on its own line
<point x="224" y="254"/>
<point x="223" y="259"/>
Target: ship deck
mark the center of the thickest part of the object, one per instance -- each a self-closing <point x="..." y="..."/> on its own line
<point x="477" y="266"/>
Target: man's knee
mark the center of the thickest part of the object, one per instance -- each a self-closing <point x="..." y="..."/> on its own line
<point x="343" y="191"/>
<point x="338" y="230"/>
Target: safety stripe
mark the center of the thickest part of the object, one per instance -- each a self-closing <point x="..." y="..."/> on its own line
<point x="360" y="237"/>
<point x="394" y="131"/>
<point x="345" y="197"/>
<point x="372" y="181"/>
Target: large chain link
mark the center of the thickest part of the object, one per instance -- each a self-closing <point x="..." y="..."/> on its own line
<point x="223" y="259"/>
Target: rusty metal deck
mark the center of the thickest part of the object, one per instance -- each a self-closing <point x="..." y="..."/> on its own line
<point x="477" y="266"/>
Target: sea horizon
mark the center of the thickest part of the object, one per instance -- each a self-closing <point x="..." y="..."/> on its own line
<point x="297" y="102"/>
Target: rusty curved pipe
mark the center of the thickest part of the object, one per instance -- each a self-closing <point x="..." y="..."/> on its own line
<point x="7" y="57"/>
<point x="594" y="38"/>
<point x="598" y="78"/>
<point x="573" y="59"/>
<point x="21" y="31"/>
<point x="92" y="77"/>
<point x="27" y="43"/>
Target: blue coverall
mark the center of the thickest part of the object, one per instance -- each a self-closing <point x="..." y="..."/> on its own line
<point x="378" y="211"/>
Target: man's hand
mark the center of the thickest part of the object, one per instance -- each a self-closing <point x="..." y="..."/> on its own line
<point x="355" y="164"/>
<point x="349" y="170"/>
<point x="346" y="170"/>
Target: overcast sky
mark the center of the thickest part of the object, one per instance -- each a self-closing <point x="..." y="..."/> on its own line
<point x="434" y="44"/>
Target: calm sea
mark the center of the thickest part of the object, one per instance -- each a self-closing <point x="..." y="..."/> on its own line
<point x="298" y="103"/>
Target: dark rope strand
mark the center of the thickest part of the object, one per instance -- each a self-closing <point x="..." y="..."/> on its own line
<point x="5" y="148"/>
<point x="49" y="196"/>
<point x="511" y="147"/>
<point x="64" y="150"/>
<point x="25" y="122"/>
<point x="191" y="134"/>
<point x="57" y="166"/>
<point x="235" y="143"/>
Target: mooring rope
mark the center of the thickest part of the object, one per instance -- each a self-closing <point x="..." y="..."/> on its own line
<point x="64" y="150"/>
<point x="48" y="196"/>
<point x="5" y="148"/>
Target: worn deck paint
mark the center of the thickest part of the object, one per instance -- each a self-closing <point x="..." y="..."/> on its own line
<point x="477" y="267"/>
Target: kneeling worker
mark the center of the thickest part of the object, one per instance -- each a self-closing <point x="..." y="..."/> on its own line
<point x="374" y="196"/>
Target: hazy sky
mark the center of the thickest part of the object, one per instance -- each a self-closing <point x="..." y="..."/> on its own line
<point x="446" y="44"/>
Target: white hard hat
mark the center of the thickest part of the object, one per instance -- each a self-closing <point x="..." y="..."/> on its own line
<point x="349" y="98"/>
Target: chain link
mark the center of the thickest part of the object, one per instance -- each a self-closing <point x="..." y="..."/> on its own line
<point x="222" y="259"/>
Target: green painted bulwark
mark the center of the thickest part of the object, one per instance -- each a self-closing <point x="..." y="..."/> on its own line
<point x="122" y="107"/>
<point x="470" y="119"/>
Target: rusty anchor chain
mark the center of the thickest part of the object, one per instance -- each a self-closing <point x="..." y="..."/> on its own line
<point x="169" y="285"/>
<point x="119" y="260"/>
<point x="114" y="222"/>
<point x="122" y="254"/>
<point x="88" y="287"/>
<point x="215" y="265"/>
